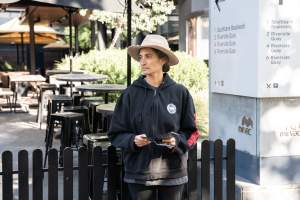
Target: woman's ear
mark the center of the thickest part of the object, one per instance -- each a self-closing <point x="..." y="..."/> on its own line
<point x="164" y="60"/>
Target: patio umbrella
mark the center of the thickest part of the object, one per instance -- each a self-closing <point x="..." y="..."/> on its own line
<point x="16" y="38"/>
<point x="15" y="32"/>
<point x="109" y="5"/>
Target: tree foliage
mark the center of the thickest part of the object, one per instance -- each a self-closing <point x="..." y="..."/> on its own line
<point x="152" y="13"/>
<point x="190" y="71"/>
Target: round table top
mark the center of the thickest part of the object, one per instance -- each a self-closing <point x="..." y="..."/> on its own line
<point x="80" y="77"/>
<point x="101" y="88"/>
<point x="107" y="108"/>
<point x="27" y="78"/>
<point x="61" y="71"/>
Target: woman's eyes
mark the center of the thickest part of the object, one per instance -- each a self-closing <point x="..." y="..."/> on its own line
<point x="145" y="56"/>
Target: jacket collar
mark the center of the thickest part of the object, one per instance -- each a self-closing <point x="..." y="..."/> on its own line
<point x="141" y="82"/>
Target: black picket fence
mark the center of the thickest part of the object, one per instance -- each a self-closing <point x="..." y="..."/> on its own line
<point x="105" y="166"/>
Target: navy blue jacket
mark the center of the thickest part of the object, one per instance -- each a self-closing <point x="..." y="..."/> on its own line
<point x="154" y="112"/>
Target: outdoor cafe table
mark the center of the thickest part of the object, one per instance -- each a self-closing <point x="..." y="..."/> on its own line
<point x="102" y="88"/>
<point x="72" y="77"/>
<point x="22" y="79"/>
<point x="61" y="71"/>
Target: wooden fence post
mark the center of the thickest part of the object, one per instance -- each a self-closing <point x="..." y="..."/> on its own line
<point x="205" y="170"/>
<point x="53" y="175"/>
<point x="218" y="169"/>
<point x="7" y="179"/>
<point x="192" y="174"/>
<point x="68" y="173"/>
<point x="83" y="174"/>
<point x="37" y="175"/>
<point x="98" y="173"/>
<point x="23" y="175"/>
<point x="112" y="173"/>
<point x="230" y="169"/>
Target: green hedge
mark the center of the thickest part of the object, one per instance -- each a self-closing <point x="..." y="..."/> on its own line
<point x="191" y="72"/>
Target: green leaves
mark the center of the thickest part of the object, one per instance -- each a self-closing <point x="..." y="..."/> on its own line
<point x="191" y="72"/>
<point x="153" y="13"/>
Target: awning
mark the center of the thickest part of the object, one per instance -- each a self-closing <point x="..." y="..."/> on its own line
<point x="54" y="15"/>
<point x="14" y="32"/>
<point x="107" y="5"/>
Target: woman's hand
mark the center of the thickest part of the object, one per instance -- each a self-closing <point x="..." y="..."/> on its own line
<point x="171" y="141"/>
<point x="141" y="140"/>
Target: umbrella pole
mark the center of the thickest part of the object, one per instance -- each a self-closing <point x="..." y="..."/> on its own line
<point x="70" y="35"/>
<point x="18" y="56"/>
<point x="76" y="39"/>
<point x="32" y="46"/>
<point x="22" y="51"/>
<point x="128" y="41"/>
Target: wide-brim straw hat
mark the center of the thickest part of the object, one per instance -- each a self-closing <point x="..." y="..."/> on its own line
<point x="155" y="42"/>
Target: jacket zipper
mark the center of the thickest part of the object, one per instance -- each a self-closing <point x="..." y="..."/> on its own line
<point x="154" y="119"/>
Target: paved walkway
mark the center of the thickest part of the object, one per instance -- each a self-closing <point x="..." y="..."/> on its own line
<point x="20" y="131"/>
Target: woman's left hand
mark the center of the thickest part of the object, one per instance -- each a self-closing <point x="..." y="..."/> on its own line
<point x="171" y="141"/>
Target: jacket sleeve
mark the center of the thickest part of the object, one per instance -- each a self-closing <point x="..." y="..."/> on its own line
<point x="187" y="122"/>
<point x="120" y="133"/>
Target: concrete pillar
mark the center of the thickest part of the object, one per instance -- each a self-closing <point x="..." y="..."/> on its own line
<point x="255" y="89"/>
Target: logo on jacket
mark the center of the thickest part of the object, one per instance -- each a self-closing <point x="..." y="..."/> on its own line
<point x="171" y="108"/>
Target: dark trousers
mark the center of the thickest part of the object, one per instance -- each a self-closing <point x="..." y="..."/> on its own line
<point x="159" y="192"/>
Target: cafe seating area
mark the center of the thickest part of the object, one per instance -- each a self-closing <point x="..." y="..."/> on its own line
<point x="68" y="105"/>
<point x="71" y="112"/>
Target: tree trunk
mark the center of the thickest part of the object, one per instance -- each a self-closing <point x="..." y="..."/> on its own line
<point x="116" y="37"/>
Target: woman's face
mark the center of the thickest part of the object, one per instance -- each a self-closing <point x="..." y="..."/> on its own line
<point x="150" y="62"/>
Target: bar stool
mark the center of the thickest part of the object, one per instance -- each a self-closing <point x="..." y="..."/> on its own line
<point x="42" y="100"/>
<point x="76" y="99"/>
<point x="80" y="109"/>
<point x="94" y="140"/>
<point x="70" y="122"/>
<point x="7" y="93"/>
<point x="62" y="88"/>
<point x="104" y="114"/>
<point x="92" y="102"/>
<point x="56" y="103"/>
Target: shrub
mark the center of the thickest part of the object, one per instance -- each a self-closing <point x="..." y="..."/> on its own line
<point x="191" y="72"/>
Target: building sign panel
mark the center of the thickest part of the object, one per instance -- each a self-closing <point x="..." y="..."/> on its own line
<point x="253" y="47"/>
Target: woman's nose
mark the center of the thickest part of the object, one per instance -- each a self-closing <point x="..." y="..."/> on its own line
<point x="142" y="61"/>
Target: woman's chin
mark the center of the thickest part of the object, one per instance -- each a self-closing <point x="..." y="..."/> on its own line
<point x="145" y="73"/>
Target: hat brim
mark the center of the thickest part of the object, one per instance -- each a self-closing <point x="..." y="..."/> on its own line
<point x="133" y="51"/>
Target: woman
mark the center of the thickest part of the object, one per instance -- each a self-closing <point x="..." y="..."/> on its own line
<point x="152" y="122"/>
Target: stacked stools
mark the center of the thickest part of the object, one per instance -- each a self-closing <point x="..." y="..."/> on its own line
<point x="104" y="114"/>
<point x="63" y="88"/>
<point x="92" y="103"/>
<point x="42" y="99"/>
<point x="80" y="109"/>
<point x="57" y="102"/>
<point x="70" y="136"/>
<point x="94" y="140"/>
<point x="7" y="93"/>
<point x="103" y="118"/>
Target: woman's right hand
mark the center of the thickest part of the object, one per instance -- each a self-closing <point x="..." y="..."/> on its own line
<point x="141" y="140"/>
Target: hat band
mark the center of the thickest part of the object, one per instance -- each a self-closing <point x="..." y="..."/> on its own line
<point x="155" y="44"/>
